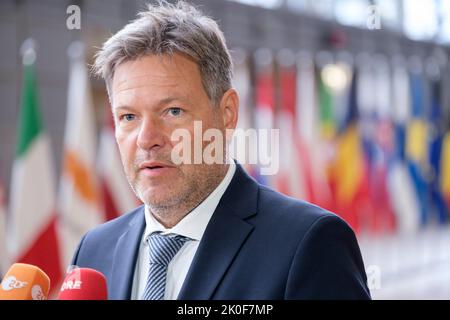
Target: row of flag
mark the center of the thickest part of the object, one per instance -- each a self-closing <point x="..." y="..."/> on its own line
<point x="366" y="137"/>
<point x="43" y="224"/>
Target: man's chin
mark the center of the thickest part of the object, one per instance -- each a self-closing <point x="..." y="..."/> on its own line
<point x="161" y="198"/>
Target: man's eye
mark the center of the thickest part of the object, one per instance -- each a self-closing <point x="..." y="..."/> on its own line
<point x="175" y="112"/>
<point x="128" y="117"/>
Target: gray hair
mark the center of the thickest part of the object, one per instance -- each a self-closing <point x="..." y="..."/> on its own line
<point x="165" y="29"/>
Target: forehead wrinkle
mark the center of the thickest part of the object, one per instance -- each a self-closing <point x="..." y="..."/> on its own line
<point x="147" y="79"/>
<point x="121" y="90"/>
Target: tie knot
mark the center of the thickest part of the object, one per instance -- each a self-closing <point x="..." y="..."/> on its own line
<point x="163" y="247"/>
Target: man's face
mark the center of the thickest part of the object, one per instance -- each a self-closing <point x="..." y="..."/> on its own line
<point x="152" y="96"/>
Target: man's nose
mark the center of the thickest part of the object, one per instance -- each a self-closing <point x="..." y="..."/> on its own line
<point x="151" y="134"/>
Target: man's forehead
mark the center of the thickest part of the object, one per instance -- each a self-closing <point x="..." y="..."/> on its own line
<point x="153" y="70"/>
<point x="131" y="81"/>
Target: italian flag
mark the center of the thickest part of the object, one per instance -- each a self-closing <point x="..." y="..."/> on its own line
<point x="32" y="234"/>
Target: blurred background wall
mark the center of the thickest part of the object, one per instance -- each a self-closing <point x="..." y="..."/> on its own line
<point x="352" y="53"/>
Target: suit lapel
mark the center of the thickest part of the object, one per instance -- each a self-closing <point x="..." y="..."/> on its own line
<point x="224" y="236"/>
<point x="125" y="257"/>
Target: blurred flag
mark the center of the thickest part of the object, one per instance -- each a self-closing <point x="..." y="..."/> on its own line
<point x="326" y="129"/>
<point x="310" y="150"/>
<point x="117" y="195"/>
<point x="417" y="145"/>
<point x="291" y="177"/>
<point x="445" y="168"/>
<point x="3" y="256"/>
<point x="400" y="184"/>
<point x="32" y="235"/>
<point x="327" y="125"/>
<point x="436" y="122"/>
<point x="445" y="155"/>
<point x="383" y="148"/>
<point x="78" y="195"/>
<point x="265" y="112"/>
<point x="366" y="97"/>
<point x="244" y="151"/>
<point x="349" y="175"/>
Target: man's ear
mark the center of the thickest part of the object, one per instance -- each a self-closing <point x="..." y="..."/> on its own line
<point x="229" y="107"/>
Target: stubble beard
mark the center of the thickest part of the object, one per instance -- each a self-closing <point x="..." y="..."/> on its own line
<point x="197" y="187"/>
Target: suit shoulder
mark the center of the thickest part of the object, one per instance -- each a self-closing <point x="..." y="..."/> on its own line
<point x="295" y="213"/>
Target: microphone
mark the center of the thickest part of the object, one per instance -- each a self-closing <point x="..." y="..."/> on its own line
<point x="24" y="282"/>
<point x="84" y="284"/>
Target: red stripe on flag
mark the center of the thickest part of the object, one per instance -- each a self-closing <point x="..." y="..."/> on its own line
<point x="44" y="253"/>
<point x="265" y="91"/>
<point x="109" y="206"/>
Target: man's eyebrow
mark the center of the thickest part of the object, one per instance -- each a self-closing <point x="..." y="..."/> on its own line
<point x="159" y="103"/>
<point x="122" y="107"/>
<point x="171" y="99"/>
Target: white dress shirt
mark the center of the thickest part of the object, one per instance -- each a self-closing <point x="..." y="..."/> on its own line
<point x="192" y="226"/>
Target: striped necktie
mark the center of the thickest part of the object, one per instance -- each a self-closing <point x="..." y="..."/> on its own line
<point x="162" y="249"/>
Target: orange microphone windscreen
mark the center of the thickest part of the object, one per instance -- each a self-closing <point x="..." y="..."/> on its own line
<point x="24" y="282"/>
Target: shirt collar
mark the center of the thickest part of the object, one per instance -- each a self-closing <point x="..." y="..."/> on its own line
<point x="193" y="225"/>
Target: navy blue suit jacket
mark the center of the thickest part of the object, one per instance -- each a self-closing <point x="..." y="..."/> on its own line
<point x="258" y="244"/>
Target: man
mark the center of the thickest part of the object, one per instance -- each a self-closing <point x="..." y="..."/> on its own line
<point x="205" y="231"/>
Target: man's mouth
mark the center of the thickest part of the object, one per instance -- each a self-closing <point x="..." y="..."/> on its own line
<point x="154" y="168"/>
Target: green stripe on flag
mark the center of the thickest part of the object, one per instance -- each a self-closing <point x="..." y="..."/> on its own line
<point x="30" y="123"/>
<point x="326" y="114"/>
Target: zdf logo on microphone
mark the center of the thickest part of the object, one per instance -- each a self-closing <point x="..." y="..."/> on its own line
<point x="11" y="283"/>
